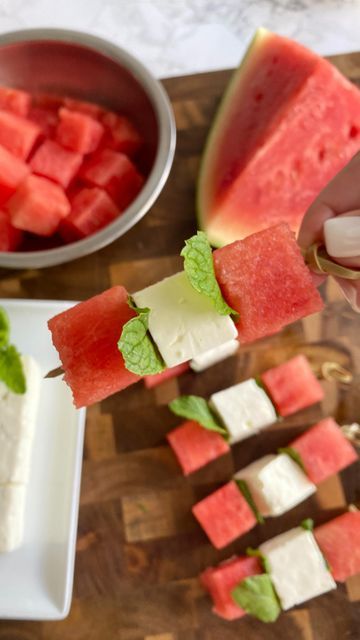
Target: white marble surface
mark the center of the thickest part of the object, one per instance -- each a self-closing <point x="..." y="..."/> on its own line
<point x="174" y="37"/>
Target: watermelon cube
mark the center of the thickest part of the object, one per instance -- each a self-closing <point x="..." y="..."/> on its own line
<point x="324" y="450"/>
<point x="91" y="210"/>
<point x="12" y="172"/>
<point x="115" y="173"/>
<point x="78" y="131"/>
<point x="10" y="238"/>
<point x="46" y="119"/>
<point x="292" y="386"/>
<point x="120" y="134"/>
<point x="15" y="100"/>
<point x="53" y="161"/>
<point x="264" y="278"/>
<point x="17" y="134"/>
<point x="224" y="515"/>
<point x="221" y="580"/>
<point x="82" y="106"/>
<point x="167" y="374"/>
<point x="86" y="338"/>
<point x="339" y="540"/>
<point x="195" y="446"/>
<point x="38" y="206"/>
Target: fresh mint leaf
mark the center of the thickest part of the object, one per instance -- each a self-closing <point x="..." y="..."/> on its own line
<point x="244" y="488"/>
<point x="307" y="524"/>
<point x="294" y="455"/>
<point x="4" y="328"/>
<point x="263" y="559"/>
<point x="257" y="596"/>
<point x="196" y="408"/>
<point x="11" y="369"/>
<point x="199" y="268"/>
<point x="138" y="349"/>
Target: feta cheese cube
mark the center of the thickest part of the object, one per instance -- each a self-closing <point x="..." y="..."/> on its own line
<point x="277" y="484"/>
<point x="14" y="459"/>
<point x="297" y="567"/>
<point x="12" y="507"/>
<point x="183" y="322"/>
<point x="244" y="408"/>
<point x="209" y="358"/>
<point x="18" y="412"/>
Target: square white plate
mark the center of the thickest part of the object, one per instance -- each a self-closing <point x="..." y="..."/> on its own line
<point x="36" y="580"/>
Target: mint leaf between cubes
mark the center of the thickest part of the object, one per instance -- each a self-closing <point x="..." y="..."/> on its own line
<point x="244" y="488"/>
<point x="307" y="524"/>
<point x="263" y="559"/>
<point x="292" y="453"/>
<point x="199" y="268"/>
<point x="140" y="353"/>
<point x="257" y="596"/>
<point x="4" y="329"/>
<point x="11" y="367"/>
<point x="198" y="409"/>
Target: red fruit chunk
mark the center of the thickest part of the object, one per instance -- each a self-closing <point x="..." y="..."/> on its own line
<point x="168" y="374"/>
<point x="53" y="161"/>
<point x="339" y="540"/>
<point x="91" y="210"/>
<point x="264" y="278"/>
<point x="12" y="172"/>
<point x="195" y="446"/>
<point x="324" y="450"/>
<point x="38" y="206"/>
<point x="46" y="119"/>
<point x="17" y="134"/>
<point x="115" y="173"/>
<point x="221" y="580"/>
<point x="224" y="515"/>
<point x="10" y="238"/>
<point x="78" y="131"/>
<point x="86" y="338"/>
<point x="48" y="101"/>
<point x="292" y="386"/>
<point x="15" y="100"/>
<point x="121" y="134"/>
<point x="89" y="108"/>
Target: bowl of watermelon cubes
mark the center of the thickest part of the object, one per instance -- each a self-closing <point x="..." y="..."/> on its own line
<point x="87" y="138"/>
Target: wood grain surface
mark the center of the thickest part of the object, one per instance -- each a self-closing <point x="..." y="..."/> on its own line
<point x="139" y="550"/>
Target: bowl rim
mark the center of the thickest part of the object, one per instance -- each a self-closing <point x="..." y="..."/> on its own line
<point x="162" y="163"/>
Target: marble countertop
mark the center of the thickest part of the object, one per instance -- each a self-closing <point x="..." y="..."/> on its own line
<point x="175" y="37"/>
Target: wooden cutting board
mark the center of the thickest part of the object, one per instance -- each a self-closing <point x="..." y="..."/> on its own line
<point x="139" y="550"/>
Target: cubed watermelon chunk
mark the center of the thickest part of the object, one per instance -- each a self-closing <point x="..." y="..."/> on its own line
<point x="224" y="515"/>
<point x="115" y="173"/>
<point x="91" y="210"/>
<point x="12" y="172"/>
<point x="52" y="161"/>
<point x="78" y="131"/>
<point x="324" y="450"/>
<point x="46" y="119"/>
<point x="221" y="580"/>
<point x="17" y="134"/>
<point x="195" y="446"/>
<point x="339" y="540"/>
<point x="292" y="385"/>
<point x="167" y="374"/>
<point x="120" y="134"/>
<point x="10" y="238"/>
<point x="86" y="338"/>
<point x="82" y="106"/>
<point x="264" y="278"/>
<point x="38" y="206"/>
<point x="15" y="100"/>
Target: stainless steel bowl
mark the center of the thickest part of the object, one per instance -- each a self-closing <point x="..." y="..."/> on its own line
<point x="90" y="68"/>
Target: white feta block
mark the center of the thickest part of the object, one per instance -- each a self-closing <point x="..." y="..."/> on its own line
<point x="12" y="507"/>
<point x="15" y="456"/>
<point x="182" y="322"/>
<point x="244" y="408"/>
<point x="18" y="412"/>
<point x="277" y="484"/>
<point x="209" y="358"/>
<point x="297" y="567"/>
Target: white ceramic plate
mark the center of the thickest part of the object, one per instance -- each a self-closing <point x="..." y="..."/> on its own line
<point x="36" y="580"/>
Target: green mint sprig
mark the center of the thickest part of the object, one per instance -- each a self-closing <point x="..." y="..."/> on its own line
<point x="244" y="488"/>
<point x="264" y="561"/>
<point x="292" y="453"/>
<point x="307" y="524"/>
<point x="198" y="409"/>
<point x="140" y="353"/>
<point x="257" y="596"/>
<point x="11" y="367"/>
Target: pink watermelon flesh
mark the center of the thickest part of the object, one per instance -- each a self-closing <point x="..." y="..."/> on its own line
<point x="221" y="580"/>
<point x="91" y="210"/>
<point x="264" y="278"/>
<point x="78" y="132"/>
<point x="46" y="120"/>
<point x="324" y="450"/>
<point x="56" y="163"/>
<point x="289" y="122"/>
<point x="12" y="172"/>
<point x="17" y="134"/>
<point x="224" y="515"/>
<point x="10" y="238"/>
<point x="339" y="540"/>
<point x="15" y="100"/>
<point x="168" y="374"/>
<point x="120" y="134"/>
<point x="86" y="338"/>
<point x="82" y="106"/>
<point x="292" y="386"/>
<point x="195" y="446"/>
<point x="38" y="205"/>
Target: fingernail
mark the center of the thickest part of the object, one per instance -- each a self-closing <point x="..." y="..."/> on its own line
<point x="342" y="236"/>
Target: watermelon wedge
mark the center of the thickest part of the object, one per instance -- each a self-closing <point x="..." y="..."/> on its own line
<point x="17" y="134"/>
<point x="78" y="131"/>
<point x="91" y="210"/>
<point x="53" y="161"/>
<point x="120" y="134"/>
<point x="195" y="446"/>
<point x="10" y="238"/>
<point x="15" y="101"/>
<point x="339" y="540"/>
<point x="288" y="122"/>
<point x="12" y="172"/>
